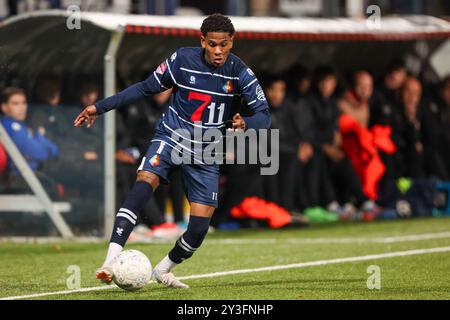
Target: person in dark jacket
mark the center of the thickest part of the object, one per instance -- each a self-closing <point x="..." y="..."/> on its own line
<point x="283" y="188"/>
<point x="386" y="97"/>
<point x="409" y="131"/>
<point x="338" y="180"/>
<point x="436" y="133"/>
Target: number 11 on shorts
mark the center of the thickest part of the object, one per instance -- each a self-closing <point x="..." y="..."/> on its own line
<point x="215" y="196"/>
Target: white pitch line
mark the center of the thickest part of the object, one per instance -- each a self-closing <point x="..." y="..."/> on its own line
<point x="407" y="238"/>
<point x="270" y="268"/>
<point x="37" y="295"/>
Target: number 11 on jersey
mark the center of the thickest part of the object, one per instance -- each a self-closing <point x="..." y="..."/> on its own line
<point x="206" y="99"/>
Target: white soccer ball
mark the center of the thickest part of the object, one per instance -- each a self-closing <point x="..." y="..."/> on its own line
<point x="132" y="270"/>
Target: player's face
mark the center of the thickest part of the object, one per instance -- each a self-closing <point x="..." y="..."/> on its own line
<point x="16" y="107"/>
<point x="217" y="47"/>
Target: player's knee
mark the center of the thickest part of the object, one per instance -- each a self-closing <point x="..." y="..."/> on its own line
<point x="148" y="177"/>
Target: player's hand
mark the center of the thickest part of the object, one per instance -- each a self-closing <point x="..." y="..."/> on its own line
<point x="88" y="115"/>
<point x="238" y="122"/>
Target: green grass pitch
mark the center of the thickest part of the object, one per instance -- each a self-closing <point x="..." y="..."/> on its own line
<point x="27" y="269"/>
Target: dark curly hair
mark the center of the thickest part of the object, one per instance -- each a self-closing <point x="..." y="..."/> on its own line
<point x="217" y="23"/>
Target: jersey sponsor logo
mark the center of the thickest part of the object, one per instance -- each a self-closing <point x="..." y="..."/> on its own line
<point x="16" y="126"/>
<point x="154" y="162"/>
<point x="162" y="68"/>
<point x="228" y="87"/>
<point x="260" y="93"/>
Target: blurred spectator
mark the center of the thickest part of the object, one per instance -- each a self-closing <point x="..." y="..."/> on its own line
<point x="167" y="7"/>
<point x="275" y="186"/>
<point x="436" y="133"/>
<point x="356" y="100"/>
<point x="362" y="144"/>
<point x="339" y="182"/>
<point x="47" y="115"/>
<point x="386" y="98"/>
<point x="299" y="78"/>
<point x="411" y="147"/>
<point x="34" y="146"/>
<point x="89" y="93"/>
<point x="386" y="110"/>
<point x="291" y="187"/>
<point x="48" y="91"/>
<point x="88" y="96"/>
<point x="12" y="7"/>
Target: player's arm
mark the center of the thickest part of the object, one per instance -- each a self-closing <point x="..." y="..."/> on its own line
<point x="254" y="95"/>
<point x="160" y="80"/>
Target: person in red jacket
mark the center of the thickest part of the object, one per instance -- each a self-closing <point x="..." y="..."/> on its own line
<point x="361" y="144"/>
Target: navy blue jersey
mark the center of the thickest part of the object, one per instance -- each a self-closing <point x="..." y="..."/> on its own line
<point x="202" y="94"/>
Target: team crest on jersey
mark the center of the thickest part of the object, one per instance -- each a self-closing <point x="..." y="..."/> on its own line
<point x="228" y="87"/>
<point x="154" y="162"/>
<point x="162" y="68"/>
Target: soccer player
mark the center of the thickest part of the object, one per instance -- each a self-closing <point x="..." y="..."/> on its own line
<point x="204" y="81"/>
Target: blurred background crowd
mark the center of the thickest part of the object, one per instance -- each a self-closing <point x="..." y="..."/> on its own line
<point x="345" y="140"/>
<point x="287" y="8"/>
<point x="352" y="142"/>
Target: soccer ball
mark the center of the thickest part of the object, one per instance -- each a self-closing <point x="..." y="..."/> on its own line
<point x="132" y="270"/>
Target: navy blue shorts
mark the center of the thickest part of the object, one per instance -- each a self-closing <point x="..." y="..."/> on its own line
<point x="200" y="182"/>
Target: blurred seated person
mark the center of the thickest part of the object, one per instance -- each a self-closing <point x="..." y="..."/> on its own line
<point x="356" y="101"/>
<point x="299" y="78"/>
<point x="436" y="133"/>
<point x="387" y="94"/>
<point x="290" y="187"/>
<point x="34" y="146"/>
<point x="338" y="180"/>
<point x="47" y="114"/>
<point x="362" y="144"/>
<point x="409" y="130"/>
<point x="89" y="94"/>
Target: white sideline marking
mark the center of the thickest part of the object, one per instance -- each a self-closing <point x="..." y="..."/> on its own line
<point x="300" y="240"/>
<point x="414" y="237"/>
<point x="271" y="268"/>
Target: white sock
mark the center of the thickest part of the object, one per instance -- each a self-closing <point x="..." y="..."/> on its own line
<point x="166" y="265"/>
<point x="113" y="251"/>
